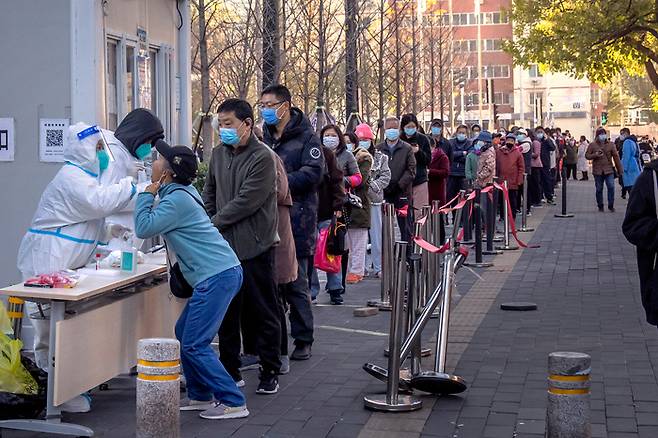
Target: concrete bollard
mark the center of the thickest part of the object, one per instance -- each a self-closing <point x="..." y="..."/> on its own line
<point x="158" y="388"/>
<point x="568" y="413"/>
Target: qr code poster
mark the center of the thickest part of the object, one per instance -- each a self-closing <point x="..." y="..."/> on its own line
<point x="52" y="139"/>
<point x="7" y="139"/>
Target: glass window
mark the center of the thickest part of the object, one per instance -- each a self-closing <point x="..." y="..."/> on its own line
<point x="534" y="71"/>
<point x="130" y="75"/>
<point x="111" y="86"/>
<point x="154" y="97"/>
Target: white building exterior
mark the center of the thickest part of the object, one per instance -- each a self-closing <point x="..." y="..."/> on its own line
<point x="81" y="60"/>
<point x="552" y="100"/>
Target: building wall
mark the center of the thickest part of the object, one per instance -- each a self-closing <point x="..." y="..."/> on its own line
<point x="34" y="84"/>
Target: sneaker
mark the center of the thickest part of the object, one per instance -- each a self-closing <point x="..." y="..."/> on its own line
<point x="220" y="411"/>
<point x="269" y="384"/>
<point x="187" y="404"/>
<point x="314" y="301"/>
<point x="249" y="362"/>
<point x="285" y="365"/>
<point x="78" y="405"/>
<point x="336" y="299"/>
<point x="240" y="383"/>
<point x="353" y="278"/>
<point x="302" y="352"/>
<point x="612" y="209"/>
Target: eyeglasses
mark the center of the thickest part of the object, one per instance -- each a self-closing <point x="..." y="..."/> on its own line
<point x="261" y="105"/>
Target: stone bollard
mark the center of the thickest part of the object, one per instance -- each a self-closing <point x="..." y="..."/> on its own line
<point x="568" y="413"/>
<point x="158" y="388"/>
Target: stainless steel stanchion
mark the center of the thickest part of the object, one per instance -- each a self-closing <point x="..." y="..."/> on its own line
<point x="491" y="225"/>
<point x="564" y="213"/>
<point x="524" y="213"/>
<point x="438" y="381"/>
<point x="466" y="223"/>
<point x="413" y="305"/>
<point x="388" y="237"/>
<point x="477" y="211"/>
<point x="392" y="401"/>
<point x="507" y="246"/>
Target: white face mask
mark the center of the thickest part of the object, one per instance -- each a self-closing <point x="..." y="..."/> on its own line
<point x="330" y="141"/>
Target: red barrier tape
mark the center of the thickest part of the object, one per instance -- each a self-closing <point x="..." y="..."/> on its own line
<point x="510" y="218"/>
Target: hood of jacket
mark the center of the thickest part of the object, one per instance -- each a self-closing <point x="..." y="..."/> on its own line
<point x="138" y="127"/>
<point x="82" y="153"/>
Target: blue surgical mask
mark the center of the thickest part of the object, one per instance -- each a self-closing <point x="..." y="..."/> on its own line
<point x="461" y="137"/>
<point x="392" y="134"/>
<point x="229" y="136"/>
<point x="103" y="159"/>
<point x="365" y="144"/>
<point x="540" y="135"/>
<point x="270" y="116"/>
<point x="330" y="142"/>
<point x="349" y="146"/>
<point x="603" y="137"/>
<point x="410" y="132"/>
<point x="520" y="137"/>
<point x="436" y="130"/>
<point x="479" y="145"/>
<point x="143" y="151"/>
<point x="622" y="137"/>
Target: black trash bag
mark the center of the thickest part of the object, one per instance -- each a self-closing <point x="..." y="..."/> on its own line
<point x="23" y="405"/>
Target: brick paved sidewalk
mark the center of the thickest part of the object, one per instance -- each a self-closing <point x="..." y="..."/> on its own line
<point x="584" y="280"/>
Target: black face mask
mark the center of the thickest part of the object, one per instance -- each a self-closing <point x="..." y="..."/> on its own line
<point x="509" y="145"/>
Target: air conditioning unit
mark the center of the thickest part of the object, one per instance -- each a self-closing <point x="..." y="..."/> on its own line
<point x="535" y="82"/>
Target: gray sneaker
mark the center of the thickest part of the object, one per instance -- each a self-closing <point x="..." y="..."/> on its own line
<point x="222" y="412"/>
<point x="196" y="405"/>
<point x="285" y="365"/>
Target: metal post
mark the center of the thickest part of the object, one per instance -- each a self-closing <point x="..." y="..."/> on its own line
<point x="392" y="401"/>
<point x="507" y="246"/>
<point x="427" y="258"/>
<point x="413" y="303"/>
<point x="568" y="412"/>
<point x="158" y="388"/>
<point x="466" y="223"/>
<point x="491" y="226"/>
<point x="387" y="281"/>
<point x="524" y="213"/>
<point x="564" y="195"/>
<point x="479" y="262"/>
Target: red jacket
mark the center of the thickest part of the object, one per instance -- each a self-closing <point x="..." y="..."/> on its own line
<point x="438" y="171"/>
<point x="510" y="165"/>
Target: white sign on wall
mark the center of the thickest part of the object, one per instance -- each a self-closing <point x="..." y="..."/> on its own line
<point x="7" y="142"/>
<point x="52" y="139"/>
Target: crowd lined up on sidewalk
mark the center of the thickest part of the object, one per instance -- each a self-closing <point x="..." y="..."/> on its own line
<point x="246" y="244"/>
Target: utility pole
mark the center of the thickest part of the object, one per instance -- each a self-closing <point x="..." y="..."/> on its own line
<point x="479" y="48"/>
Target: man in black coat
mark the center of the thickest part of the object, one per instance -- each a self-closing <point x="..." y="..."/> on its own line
<point x="290" y="134"/>
<point x="641" y="229"/>
<point x="547" y="180"/>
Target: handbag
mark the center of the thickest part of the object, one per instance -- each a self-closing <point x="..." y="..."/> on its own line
<point x="179" y="286"/>
<point x="323" y="260"/>
<point x="337" y="237"/>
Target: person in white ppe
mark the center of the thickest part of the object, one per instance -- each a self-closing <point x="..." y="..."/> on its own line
<point x="70" y="221"/>
<point x="130" y="145"/>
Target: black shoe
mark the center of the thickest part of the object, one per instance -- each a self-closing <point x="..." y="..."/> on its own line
<point x="336" y="299"/>
<point x="612" y="209"/>
<point x="601" y="208"/>
<point x="269" y="383"/>
<point x="302" y="352"/>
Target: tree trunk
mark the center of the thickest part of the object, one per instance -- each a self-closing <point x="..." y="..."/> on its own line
<point x="414" y="61"/>
<point x="432" y="69"/>
<point x="441" y="67"/>
<point x="398" y="54"/>
<point x="380" y="70"/>
<point x="320" y="91"/>
<point x="351" y="72"/>
<point x="206" y="128"/>
<point x="271" y="42"/>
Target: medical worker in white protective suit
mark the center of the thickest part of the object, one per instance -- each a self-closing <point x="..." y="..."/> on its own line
<point x="131" y="145"/>
<point x="70" y="221"/>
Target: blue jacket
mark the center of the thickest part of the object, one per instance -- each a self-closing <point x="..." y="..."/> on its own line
<point x="200" y="249"/>
<point x="458" y="162"/>
<point x="630" y="161"/>
<point x="300" y="150"/>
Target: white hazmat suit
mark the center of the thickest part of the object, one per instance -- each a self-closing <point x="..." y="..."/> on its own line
<point x="70" y="220"/>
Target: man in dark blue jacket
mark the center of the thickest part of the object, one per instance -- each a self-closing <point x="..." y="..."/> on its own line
<point x="288" y="131"/>
<point x="461" y="146"/>
<point x="547" y="147"/>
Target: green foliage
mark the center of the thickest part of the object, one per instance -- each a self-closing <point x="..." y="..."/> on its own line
<point x="593" y="38"/>
<point x="201" y="176"/>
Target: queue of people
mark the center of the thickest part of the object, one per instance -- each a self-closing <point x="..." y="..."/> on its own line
<point x="246" y="244"/>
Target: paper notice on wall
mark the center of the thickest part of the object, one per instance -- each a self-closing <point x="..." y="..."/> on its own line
<point x="7" y="139"/>
<point x="52" y="139"/>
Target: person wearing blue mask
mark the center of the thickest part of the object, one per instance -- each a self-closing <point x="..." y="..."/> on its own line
<point x="69" y="222"/>
<point x="420" y="145"/>
<point x="130" y="146"/>
<point x="290" y="134"/>
<point x="605" y="167"/>
<point x="240" y="198"/>
<point x="475" y="132"/>
<point x="402" y="163"/>
<point x="439" y="138"/>
<point x="630" y="160"/>
<point x="547" y="149"/>
<point x="461" y="146"/>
